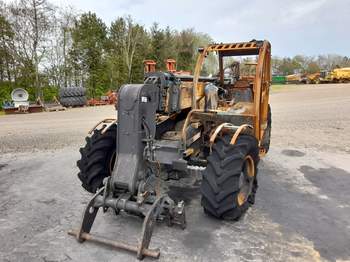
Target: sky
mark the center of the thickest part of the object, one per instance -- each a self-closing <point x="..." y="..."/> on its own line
<point x="307" y="27"/>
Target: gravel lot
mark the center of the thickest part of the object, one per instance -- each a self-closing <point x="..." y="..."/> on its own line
<point x="301" y="213"/>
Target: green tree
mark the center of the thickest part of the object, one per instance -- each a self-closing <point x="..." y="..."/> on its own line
<point x="211" y="64"/>
<point x="157" y="51"/>
<point x="288" y="66"/>
<point x="117" y="70"/>
<point x="186" y="49"/>
<point x="312" y="67"/>
<point x="89" y="37"/>
<point x="169" y="45"/>
<point x="128" y="46"/>
<point x="141" y="52"/>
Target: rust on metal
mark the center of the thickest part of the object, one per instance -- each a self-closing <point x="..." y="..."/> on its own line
<point x="149" y="66"/>
<point x="116" y="244"/>
<point x="147" y="230"/>
<point x="237" y="133"/>
<point x="241" y="197"/>
<point x="189" y="151"/>
<point x="100" y="199"/>
<point x="260" y="82"/>
<point x="171" y="65"/>
<point x="217" y="131"/>
<point x="247" y="181"/>
<point x="250" y="168"/>
<point x="262" y="152"/>
<point x="108" y="122"/>
<point x="187" y="122"/>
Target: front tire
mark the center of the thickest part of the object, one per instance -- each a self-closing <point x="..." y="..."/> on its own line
<point x="97" y="158"/>
<point x="229" y="181"/>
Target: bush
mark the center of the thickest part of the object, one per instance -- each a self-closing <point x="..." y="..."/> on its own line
<point x="5" y="93"/>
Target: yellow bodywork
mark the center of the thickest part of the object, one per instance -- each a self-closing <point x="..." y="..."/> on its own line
<point x="340" y="74"/>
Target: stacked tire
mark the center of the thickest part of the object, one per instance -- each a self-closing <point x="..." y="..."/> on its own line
<point x="73" y="96"/>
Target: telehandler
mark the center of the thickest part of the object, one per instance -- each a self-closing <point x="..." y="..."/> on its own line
<point x="218" y="126"/>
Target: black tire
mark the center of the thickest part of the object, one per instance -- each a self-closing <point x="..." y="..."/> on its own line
<point x="72" y="91"/>
<point x="73" y="101"/>
<point x="226" y="166"/>
<point x="265" y="143"/>
<point x="97" y="158"/>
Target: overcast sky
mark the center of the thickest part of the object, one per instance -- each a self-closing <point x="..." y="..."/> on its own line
<point x="308" y="27"/>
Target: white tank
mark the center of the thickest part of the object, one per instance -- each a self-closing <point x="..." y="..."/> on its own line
<point x="20" y="97"/>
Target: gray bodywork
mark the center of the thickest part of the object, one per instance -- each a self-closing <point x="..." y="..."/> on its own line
<point x="137" y="109"/>
<point x="131" y="187"/>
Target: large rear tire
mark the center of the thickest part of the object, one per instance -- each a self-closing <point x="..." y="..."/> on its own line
<point x="97" y="158"/>
<point x="229" y="181"/>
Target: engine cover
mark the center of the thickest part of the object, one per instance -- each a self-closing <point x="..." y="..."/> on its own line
<point x="169" y="91"/>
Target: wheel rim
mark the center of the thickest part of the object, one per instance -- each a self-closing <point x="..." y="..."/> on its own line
<point x="246" y="180"/>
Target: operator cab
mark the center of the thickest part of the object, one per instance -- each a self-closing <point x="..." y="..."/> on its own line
<point x="235" y="76"/>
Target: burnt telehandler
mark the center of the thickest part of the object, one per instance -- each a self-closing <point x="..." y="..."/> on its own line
<point x="219" y="126"/>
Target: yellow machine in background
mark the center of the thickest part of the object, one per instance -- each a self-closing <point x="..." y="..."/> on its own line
<point x="338" y="75"/>
<point x="341" y="74"/>
<point x="294" y="79"/>
<point x="313" y="78"/>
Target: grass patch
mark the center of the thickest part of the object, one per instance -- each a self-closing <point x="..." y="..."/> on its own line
<point x="2" y="113"/>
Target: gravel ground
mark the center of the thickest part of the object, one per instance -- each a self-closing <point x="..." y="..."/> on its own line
<point x="301" y="213"/>
<point x="49" y="130"/>
<point x="312" y="116"/>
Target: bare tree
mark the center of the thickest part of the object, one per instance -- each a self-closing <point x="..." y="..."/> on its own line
<point x="66" y="21"/>
<point x="56" y="60"/>
<point x="132" y="37"/>
<point x="31" y="20"/>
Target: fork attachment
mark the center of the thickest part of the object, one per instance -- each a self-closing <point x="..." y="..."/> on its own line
<point x="155" y="209"/>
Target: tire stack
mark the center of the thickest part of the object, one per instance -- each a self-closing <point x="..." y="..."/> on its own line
<point x="73" y="96"/>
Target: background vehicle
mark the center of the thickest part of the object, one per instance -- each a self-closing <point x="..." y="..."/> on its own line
<point x="338" y="75"/>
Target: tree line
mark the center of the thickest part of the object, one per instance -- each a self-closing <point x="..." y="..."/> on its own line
<point x="308" y="64"/>
<point x="43" y="48"/>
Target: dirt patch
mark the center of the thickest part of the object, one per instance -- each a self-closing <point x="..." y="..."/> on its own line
<point x="293" y="153"/>
<point x="2" y="166"/>
<point x="333" y="182"/>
